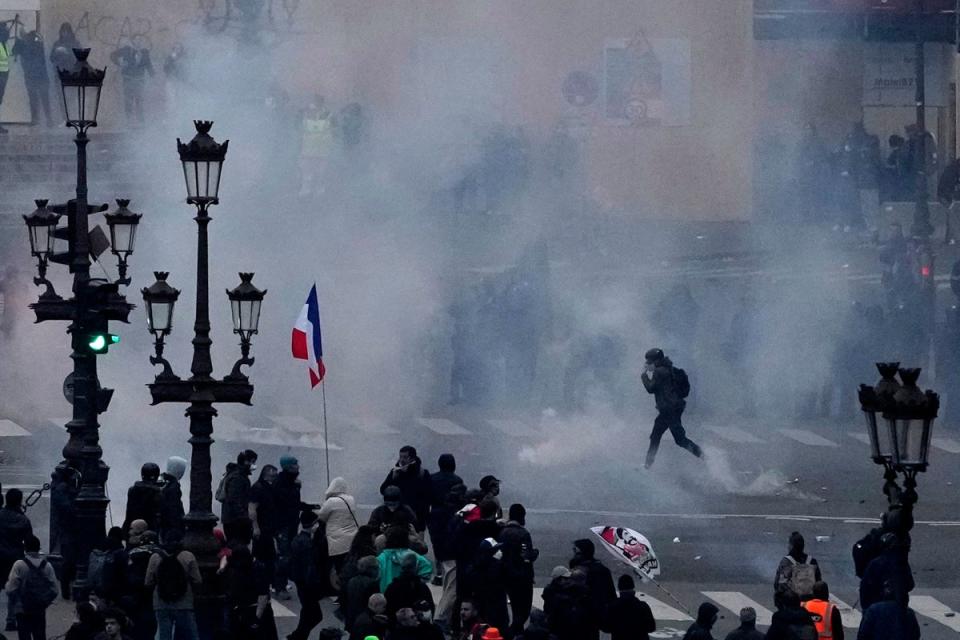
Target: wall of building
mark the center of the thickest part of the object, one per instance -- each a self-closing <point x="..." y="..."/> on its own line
<point x="690" y="161"/>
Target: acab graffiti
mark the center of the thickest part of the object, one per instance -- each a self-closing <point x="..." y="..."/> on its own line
<point x="214" y="16"/>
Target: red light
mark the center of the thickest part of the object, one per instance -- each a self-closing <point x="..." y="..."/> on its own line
<point x="925" y="271"/>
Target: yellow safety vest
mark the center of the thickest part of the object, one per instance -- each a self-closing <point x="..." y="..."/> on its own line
<point x="4" y="58"/>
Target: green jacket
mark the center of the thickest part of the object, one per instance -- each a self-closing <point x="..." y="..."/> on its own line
<point x="389" y="560"/>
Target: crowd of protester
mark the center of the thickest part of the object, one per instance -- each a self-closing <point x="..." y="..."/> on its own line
<point x="142" y="582"/>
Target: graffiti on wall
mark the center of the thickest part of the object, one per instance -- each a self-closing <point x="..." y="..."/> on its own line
<point x="276" y="18"/>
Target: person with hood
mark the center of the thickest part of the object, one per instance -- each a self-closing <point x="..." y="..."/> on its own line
<point x="444" y="522"/>
<point x="748" y="626"/>
<point x="29" y="49"/>
<point x="15" y="528"/>
<point x="289" y="507"/>
<point x="408" y="588"/>
<point x="891" y="618"/>
<point x="398" y="543"/>
<point x="372" y="621"/>
<point x="416" y="489"/>
<point x="175" y="574"/>
<point x="33" y="597"/>
<point x="441" y="483"/>
<point x="891" y="566"/>
<point x="339" y="513"/>
<point x="519" y="554"/>
<point x="627" y="617"/>
<point x="309" y="570"/>
<point x="599" y="580"/>
<point x="706" y="617"/>
<point x="393" y="512"/>
<point x="235" y="513"/>
<point x="791" y="621"/>
<point x="537" y="628"/>
<point x="796" y="573"/>
<point x="61" y="53"/>
<point x="143" y="498"/>
<point x="669" y="387"/>
<point x="358" y="590"/>
<point x="171" y="499"/>
<point x="262" y="512"/>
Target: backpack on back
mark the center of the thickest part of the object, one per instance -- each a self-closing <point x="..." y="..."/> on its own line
<point x="172" y="581"/>
<point x="681" y="382"/>
<point x="802" y="577"/>
<point x="98" y="569"/>
<point x="221" y="493"/>
<point x="36" y="591"/>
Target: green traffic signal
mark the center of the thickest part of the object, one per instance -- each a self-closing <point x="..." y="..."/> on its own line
<point x="100" y="342"/>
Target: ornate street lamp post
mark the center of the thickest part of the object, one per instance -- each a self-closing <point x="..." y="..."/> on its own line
<point x="900" y="420"/>
<point x="202" y="160"/>
<point x="95" y="302"/>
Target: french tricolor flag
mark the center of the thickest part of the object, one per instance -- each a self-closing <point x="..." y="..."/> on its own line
<point x="306" y="343"/>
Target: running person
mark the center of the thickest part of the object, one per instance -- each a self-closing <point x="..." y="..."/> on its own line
<point x="669" y="386"/>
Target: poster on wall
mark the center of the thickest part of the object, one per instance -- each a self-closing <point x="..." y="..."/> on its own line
<point x="889" y="75"/>
<point x="647" y="81"/>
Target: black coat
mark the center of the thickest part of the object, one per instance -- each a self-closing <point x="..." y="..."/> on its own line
<point x="440" y="484"/>
<point x="289" y="505"/>
<point x="143" y="503"/>
<point x="890" y="565"/>
<point x="382" y="518"/>
<point x="406" y="591"/>
<point x="171" y="506"/>
<point x="788" y="622"/>
<point x="661" y="384"/>
<point x="628" y="618"/>
<point x="518" y="553"/>
<point x="15" y="528"/>
<point x="416" y="490"/>
<point x="889" y="620"/>
<point x="599" y="586"/>
<point x="357" y="592"/>
<point x="365" y="625"/>
<point x="566" y="604"/>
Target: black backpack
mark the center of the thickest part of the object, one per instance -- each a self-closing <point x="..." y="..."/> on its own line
<point x="681" y="383"/>
<point x="172" y="581"/>
<point x="37" y="591"/>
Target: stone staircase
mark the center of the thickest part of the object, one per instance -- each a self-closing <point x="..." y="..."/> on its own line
<point x="43" y="164"/>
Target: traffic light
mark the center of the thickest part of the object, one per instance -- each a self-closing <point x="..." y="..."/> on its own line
<point x="100" y="342"/>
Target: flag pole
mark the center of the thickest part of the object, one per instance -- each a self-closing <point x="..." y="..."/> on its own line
<point x="326" y="441"/>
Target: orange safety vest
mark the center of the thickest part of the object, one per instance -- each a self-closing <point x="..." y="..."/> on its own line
<point x="822" y="614"/>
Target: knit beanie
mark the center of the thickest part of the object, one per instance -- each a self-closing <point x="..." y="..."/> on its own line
<point x="287" y="461"/>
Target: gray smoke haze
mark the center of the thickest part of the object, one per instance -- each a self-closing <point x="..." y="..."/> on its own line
<point x="389" y="262"/>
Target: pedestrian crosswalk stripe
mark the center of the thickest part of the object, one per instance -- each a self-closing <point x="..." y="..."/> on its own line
<point x="849" y="616"/>
<point x="862" y="437"/>
<point x="734" y="601"/>
<point x="443" y="427"/>
<point x="946" y="444"/>
<point x="513" y="428"/>
<point x="808" y="437"/>
<point x="280" y="611"/>
<point x="661" y="610"/>
<point x="733" y="434"/>
<point x="932" y="608"/>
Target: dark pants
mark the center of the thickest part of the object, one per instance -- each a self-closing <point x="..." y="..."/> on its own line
<point x="283" y="560"/>
<point x="310" y="612"/>
<point x="133" y="99"/>
<point x="670" y="420"/>
<point x="5" y="565"/>
<point x="265" y="550"/>
<point x="238" y="532"/>
<point x="3" y="84"/>
<point x="32" y="626"/>
<point x="521" y="602"/>
<point x="38" y="92"/>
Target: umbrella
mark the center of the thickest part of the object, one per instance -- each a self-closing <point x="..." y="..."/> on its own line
<point x="631" y="548"/>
